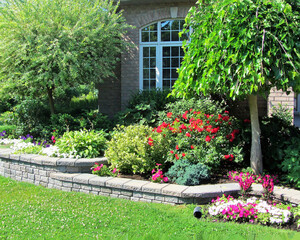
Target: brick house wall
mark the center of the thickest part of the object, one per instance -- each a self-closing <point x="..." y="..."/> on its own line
<point x="115" y="93"/>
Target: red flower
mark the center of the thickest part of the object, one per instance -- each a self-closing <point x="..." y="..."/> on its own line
<point x="183" y="154"/>
<point x="247" y="121"/>
<point x="192" y="147"/>
<point x="207" y="139"/>
<point x="226" y="112"/>
<point x="169" y="115"/>
<point x="176" y="156"/>
<point x="150" y="141"/>
<point x="177" y="148"/>
<point x="158" y="130"/>
<point x="188" y="134"/>
<point x="182" y="126"/>
<point x="225" y="118"/>
<point x="171" y="151"/>
<point x="184" y="115"/>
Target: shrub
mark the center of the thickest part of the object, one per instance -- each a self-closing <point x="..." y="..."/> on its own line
<point x="185" y="173"/>
<point x="143" y="107"/>
<point x="84" y="144"/>
<point x="285" y="114"/>
<point x="131" y="150"/>
<point x="103" y="170"/>
<point x="200" y="137"/>
<point x="291" y="162"/>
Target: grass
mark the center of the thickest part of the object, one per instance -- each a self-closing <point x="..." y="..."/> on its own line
<point x="33" y="212"/>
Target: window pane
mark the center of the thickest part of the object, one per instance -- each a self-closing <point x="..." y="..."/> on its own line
<point x="166" y="62"/>
<point x="152" y="84"/>
<point x="146" y="74"/>
<point x="166" y="84"/>
<point x="181" y="52"/>
<point x="175" y="51"/>
<point x="153" y="27"/>
<point x="166" y="25"/>
<point x="184" y="37"/>
<point x="174" y="73"/>
<point x="145" y="85"/>
<point x="175" y="25"/>
<point x="172" y="82"/>
<point x="145" y="36"/>
<point x="153" y="73"/>
<point x="165" y="36"/>
<point x="152" y="62"/>
<point x="166" y="73"/>
<point x="175" y="36"/>
<point x="181" y="23"/>
<point x="166" y="51"/>
<point x="175" y="62"/>
<point x="146" y="63"/>
<point x="153" y="36"/>
<point x="153" y="52"/>
<point x="145" y="52"/>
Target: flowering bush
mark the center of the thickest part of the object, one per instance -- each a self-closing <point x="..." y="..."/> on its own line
<point x="103" y="170"/>
<point x="201" y="137"/>
<point x="253" y="210"/>
<point x="136" y="149"/>
<point x="157" y="175"/>
<point x="246" y="179"/>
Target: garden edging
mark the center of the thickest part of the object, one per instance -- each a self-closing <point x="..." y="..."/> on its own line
<point x="73" y="175"/>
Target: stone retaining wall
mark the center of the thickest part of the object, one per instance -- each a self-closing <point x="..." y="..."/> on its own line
<point x="74" y="175"/>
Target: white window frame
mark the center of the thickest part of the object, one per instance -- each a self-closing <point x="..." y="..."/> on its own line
<point x="159" y="46"/>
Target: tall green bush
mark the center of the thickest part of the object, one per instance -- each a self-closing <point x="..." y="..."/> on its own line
<point x="131" y="150"/>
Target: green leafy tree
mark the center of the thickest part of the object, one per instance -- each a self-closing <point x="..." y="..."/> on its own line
<point x="241" y="48"/>
<point x="55" y="44"/>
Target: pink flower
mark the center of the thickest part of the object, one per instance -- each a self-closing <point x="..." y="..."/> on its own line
<point x="166" y="179"/>
<point x="114" y="171"/>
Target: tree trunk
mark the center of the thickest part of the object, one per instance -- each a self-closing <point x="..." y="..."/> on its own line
<point x="256" y="154"/>
<point x="51" y="100"/>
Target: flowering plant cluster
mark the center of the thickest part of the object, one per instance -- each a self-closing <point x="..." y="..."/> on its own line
<point x="201" y="137"/>
<point x="2" y="134"/>
<point x="103" y="170"/>
<point x="253" y="210"/>
<point x="246" y="179"/>
<point x="157" y="175"/>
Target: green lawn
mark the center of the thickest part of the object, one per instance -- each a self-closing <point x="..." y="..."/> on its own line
<point x="31" y="212"/>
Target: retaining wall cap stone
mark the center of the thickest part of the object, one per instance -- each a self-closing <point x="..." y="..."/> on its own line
<point x="84" y="162"/>
<point x="117" y="182"/>
<point x="63" y="176"/>
<point x="38" y="160"/>
<point x="174" y="190"/>
<point x="83" y="178"/>
<point x="100" y="160"/>
<point x="135" y="185"/>
<point x="28" y="157"/>
<point x="154" y="187"/>
<point x="99" y="181"/>
<point x="50" y="161"/>
<point x="205" y="191"/>
<point x="15" y="157"/>
<point x="66" y="162"/>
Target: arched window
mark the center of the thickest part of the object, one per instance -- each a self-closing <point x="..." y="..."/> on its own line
<point x="160" y="54"/>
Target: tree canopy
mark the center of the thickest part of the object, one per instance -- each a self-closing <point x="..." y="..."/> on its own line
<point x="241" y="48"/>
<point x="50" y="44"/>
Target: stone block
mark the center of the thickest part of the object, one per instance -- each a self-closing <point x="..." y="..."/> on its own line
<point x="64" y="176"/>
<point x="137" y="194"/>
<point x="154" y="187"/>
<point x="135" y="185"/>
<point x="149" y="196"/>
<point x="67" y="184"/>
<point x="106" y="190"/>
<point x="117" y="182"/>
<point x="170" y="199"/>
<point x="50" y="161"/>
<point x="204" y="191"/>
<point x="174" y="190"/>
<point x="83" y="178"/>
<point x="99" y="181"/>
<point x="126" y="193"/>
<point x="66" y="162"/>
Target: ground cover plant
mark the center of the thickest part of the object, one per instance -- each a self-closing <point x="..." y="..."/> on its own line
<point x="33" y="212"/>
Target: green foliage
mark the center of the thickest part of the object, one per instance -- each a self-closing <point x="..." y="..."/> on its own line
<point x="283" y="113"/>
<point x="144" y="106"/>
<point x="185" y="173"/>
<point x="205" y="105"/>
<point x="85" y="144"/>
<point x="291" y="162"/>
<point x="36" y="149"/>
<point x="6" y="118"/>
<point x="10" y="130"/>
<point x="47" y="45"/>
<point x="240" y="47"/>
<point x="130" y="152"/>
